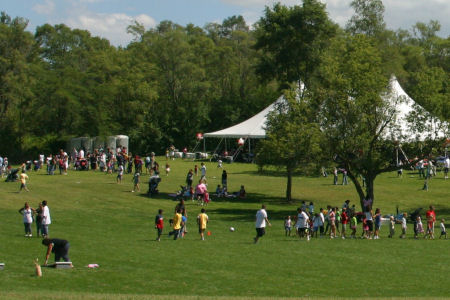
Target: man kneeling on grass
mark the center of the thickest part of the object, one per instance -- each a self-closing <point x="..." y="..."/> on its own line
<point x="57" y="246"/>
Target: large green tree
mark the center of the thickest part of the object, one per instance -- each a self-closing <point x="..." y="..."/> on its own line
<point x="293" y="137"/>
<point x="291" y="40"/>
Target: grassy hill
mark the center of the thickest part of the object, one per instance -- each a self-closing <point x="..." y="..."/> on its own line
<point x="108" y="225"/>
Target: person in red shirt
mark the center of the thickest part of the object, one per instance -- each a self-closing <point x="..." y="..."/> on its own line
<point x="159" y="224"/>
<point x="431" y="219"/>
<point x="344" y="221"/>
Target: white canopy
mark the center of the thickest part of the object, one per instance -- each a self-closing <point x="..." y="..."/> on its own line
<point x="407" y="110"/>
<point x="253" y="128"/>
<point x="402" y="129"/>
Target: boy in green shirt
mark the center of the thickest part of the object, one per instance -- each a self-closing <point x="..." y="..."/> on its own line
<point x="353" y="223"/>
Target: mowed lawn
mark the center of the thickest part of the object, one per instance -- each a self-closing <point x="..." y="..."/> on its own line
<point x="108" y="225"/>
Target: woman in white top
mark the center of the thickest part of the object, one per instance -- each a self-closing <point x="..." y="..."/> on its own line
<point x="27" y="213"/>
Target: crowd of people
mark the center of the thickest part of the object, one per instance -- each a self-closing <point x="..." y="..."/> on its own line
<point x="332" y="222"/>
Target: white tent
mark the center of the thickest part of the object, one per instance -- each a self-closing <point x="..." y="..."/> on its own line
<point x="406" y="111"/>
<point x="254" y="128"/>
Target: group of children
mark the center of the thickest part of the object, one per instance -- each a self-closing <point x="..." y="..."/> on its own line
<point x="179" y="223"/>
<point x="308" y="224"/>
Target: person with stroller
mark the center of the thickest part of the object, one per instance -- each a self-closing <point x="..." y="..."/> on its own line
<point x="153" y="184"/>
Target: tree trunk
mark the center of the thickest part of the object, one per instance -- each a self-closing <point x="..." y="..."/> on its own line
<point x="289" y="185"/>
<point x="358" y="187"/>
<point x="369" y="188"/>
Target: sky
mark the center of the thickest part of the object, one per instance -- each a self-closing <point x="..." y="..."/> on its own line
<point x="110" y="18"/>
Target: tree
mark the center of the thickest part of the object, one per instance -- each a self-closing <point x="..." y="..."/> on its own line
<point x="355" y="117"/>
<point x="293" y="137"/>
<point x="291" y="40"/>
<point x="18" y="74"/>
<point x="368" y="18"/>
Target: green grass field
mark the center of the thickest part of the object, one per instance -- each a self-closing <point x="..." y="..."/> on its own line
<point x="108" y="225"/>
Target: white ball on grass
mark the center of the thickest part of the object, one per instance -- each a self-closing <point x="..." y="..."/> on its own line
<point x="232" y="229"/>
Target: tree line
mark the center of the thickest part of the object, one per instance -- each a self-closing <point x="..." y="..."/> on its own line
<point x="173" y="81"/>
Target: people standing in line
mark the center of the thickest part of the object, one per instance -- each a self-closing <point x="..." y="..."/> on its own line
<point x="27" y="212"/>
<point x="353" y="224"/>
<point x="321" y="222"/>
<point x="159" y="224"/>
<point x="391" y="227"/>
<point x="202" y="220"/>
<point x="404" y="226"/>
<point x="46" y="220"/>
<point x="261" y="222"/>
<point x="369" y="222"/>
<point x="332" y="220"/>
<point x="431" y="219"/>
<point x="327" y="219"/>
<point x="344" y="220"/>
<point x="23" y="181"/>
<point x="301" y="223"/>
<point x="377" y="218"/>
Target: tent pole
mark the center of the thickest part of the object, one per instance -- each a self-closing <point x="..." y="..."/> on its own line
<point x="204" y="145"/>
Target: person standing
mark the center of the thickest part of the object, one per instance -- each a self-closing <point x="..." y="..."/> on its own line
<point x="202" y="220"/>
<point x="46" y="220"/>
<point x="203" y="171"/>
<point x="446" y="167"/>
<point x="344" y="220"/>
<point x="335" y="176"/>
<point x="261" y="220"/>
<point x="27" y="212"/>
<point x="39" y="211"/>
<point x="189" y="178"/>
<point x="431" y="219"/>
<point x="176" y="224"/>
<point x="301" y="223"/>
<point x="225" y="179"/>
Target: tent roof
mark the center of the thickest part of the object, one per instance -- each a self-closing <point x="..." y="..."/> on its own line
<point x="253" y="128"/>
<point x="404" y="108"/>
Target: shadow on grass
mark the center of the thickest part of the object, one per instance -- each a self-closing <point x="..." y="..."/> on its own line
<point x="272" y="173"/>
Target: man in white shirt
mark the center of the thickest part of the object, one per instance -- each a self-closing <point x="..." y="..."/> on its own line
<point x="446" y="167"/>
<point x="261" y="220"/>
<point x="45" y="219"/>
<point x="302" y="222"/>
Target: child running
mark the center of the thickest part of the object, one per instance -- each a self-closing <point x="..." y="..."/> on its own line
<point x="136" y="181"/>
<point x="159" y="224"/>
<point x="23" y="181"/>
<point x="202" y="220"/>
